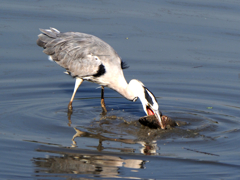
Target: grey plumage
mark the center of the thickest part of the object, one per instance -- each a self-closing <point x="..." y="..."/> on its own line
<point x="82" y="55"/>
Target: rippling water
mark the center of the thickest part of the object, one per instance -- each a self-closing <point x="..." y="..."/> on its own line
<point x="186" y="53"/>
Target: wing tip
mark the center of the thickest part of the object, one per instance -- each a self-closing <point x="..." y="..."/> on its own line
<point x="52" y="32"/>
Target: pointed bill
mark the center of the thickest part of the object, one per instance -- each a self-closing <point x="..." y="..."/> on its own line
<point x="156" y="113"/>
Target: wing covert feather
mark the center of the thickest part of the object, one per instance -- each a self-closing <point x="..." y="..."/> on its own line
<point x="78" y="53"/>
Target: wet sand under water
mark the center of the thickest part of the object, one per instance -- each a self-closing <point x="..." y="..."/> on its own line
<point x="186" y="53"/>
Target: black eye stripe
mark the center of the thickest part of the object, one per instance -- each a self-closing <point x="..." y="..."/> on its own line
<point x="148" y="97"/>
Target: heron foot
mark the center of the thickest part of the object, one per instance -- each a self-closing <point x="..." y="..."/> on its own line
<point x="104" y="112"/>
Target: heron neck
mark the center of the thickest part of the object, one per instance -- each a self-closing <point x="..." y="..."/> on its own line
<point x="123" y="88"/>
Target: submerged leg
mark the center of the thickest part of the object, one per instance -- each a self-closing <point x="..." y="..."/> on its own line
<point x="78" y="82"/>
<point x="104" y="110"/>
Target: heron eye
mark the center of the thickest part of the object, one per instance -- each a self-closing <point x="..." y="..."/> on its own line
<point x="96" y="58"/>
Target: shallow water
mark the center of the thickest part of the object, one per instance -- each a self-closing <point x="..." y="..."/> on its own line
<point x="186" y="53"/>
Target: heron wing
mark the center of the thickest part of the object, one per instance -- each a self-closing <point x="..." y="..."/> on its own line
<point x="78" y="53"/>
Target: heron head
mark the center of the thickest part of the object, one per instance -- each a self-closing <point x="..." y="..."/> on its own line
<point x="148" y="100"/>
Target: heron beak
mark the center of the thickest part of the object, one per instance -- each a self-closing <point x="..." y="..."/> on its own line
<point x="156" y="113"/>
<point x="151" y="111"/>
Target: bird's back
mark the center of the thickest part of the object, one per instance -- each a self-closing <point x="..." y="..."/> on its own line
<point x="82" y="55"/>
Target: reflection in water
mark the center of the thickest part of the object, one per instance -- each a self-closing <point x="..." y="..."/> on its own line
<point x="95" y="163"/>
<point x="148" y="148"/>
<point x="84" y="163"/>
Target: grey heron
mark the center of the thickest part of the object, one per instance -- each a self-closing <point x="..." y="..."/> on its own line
<point x="86" y="57"/>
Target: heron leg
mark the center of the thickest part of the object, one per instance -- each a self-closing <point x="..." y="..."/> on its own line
<point x="104" y="110"/>
<point x="78" y="82"/>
